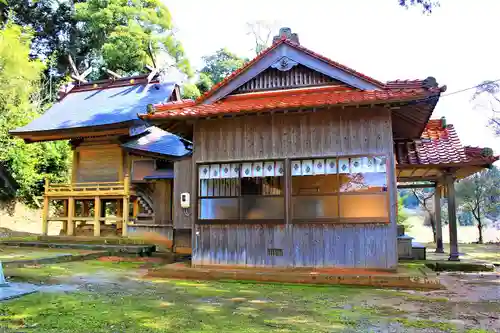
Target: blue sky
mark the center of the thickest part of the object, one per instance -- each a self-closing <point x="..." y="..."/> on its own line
<point x="456" y="44"/>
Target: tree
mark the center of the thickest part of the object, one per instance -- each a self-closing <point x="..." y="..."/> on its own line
<point x="478" y="194"/>
<point x="190" y="91"/>
<point x="402" y="215"/>
<point x="20" y="102"/>
<point x="425" y="198"/>
<point x="262" y="32"/>
<point x="487" y="97"/>
<point x="120" y="33"/>
<point x="221" y="64"/>
<point x="426" y="5"/>
<point x="204" y="83"/>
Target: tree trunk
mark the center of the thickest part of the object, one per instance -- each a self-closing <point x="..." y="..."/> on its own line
<point x="480" y="229"/>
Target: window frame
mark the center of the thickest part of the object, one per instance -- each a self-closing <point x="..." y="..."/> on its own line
<point x="240" y="196"/>
<point x="287" y="194"/>
<point x="338" y="194"/>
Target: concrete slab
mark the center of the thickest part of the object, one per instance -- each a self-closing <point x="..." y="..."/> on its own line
<point x="14" y="290"/>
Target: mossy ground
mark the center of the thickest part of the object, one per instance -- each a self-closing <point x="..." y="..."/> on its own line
<point x="114" y="297"/>
<point x="8" y="253"/>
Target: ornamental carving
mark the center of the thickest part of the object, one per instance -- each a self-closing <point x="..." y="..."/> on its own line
<point x="284" y="64"/>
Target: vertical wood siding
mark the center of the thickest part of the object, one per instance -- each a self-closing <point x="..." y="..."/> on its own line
<point x="298" y="76"/>
<point x="183" y="181"/>
<point x="99" y="164"/>
<point x="317" y="134"/>
<point x="313" y="245"/>
<point x="162" y="200"/>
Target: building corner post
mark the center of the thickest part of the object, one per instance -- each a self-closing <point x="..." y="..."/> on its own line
<point x="437" y="218"/>
<point x="452" y="215"/>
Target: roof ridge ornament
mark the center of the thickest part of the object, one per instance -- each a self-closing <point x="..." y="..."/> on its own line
<point x="286" y="34"/>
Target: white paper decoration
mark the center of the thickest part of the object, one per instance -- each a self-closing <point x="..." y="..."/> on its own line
<point x="235" y="170"/>
<point x="279" y="168"/>
<point x="225" y="170"/>
<point x="356" y="165"/>
<point x="246" y="170"/>
<point x="307" y="167"/>
<point x="258" y="169"/>
<point x="204" y="172"/>
<point x="214" y="171"/>
<point x="331" y="166"/>
<point x="296" y="168"/>
<point x="344" y="165"/>
<point x="319" y="167"/>
<point x="269" y="169"/>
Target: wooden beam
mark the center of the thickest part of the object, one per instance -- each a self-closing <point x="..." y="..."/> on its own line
<point x="125" y="216"/>
<point x="408" y="186"/>
<point x="71" y="213"/>
<point x="437" y="218"/>
<point x="452" y="216"/>
<point x="97" y="213"/>
<point x="113" y="74"/>
<point x="45" y="215"/>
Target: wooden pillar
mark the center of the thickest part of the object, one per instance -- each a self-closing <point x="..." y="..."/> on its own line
<point x="71" y="215"/>
<point x="97" y="216"/>
<point x="126" y="198"/>
<point x="452" y="215"/>
<point x="437" y="218"/>
<point x="45" y="216"/>
<point x="125" y="215"/>
<point x="136" y="208"/>
<point x="45" y="212"/>
<point x="65" y="214"/>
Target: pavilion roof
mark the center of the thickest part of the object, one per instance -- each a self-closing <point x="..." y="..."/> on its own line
<point x="440" y="145"/>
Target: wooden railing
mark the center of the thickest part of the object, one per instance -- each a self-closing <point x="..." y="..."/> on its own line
<point x="87" y="188"/>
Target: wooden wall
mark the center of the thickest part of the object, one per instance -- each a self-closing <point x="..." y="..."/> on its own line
<point x="310" y="245"/>
<point x="99" y="163"/>
<point x="183" y="182"/>
<point x="310" y="134"/>
<point x="323" y="133"/>
<point x="162" y="200"/>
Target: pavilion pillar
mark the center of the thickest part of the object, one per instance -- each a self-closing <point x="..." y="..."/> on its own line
<point x="71" y="213"/>
<point x="452" y="215"/>
<point x="97" y="216"/>
<point x="437" y="218"/>
<point x="45" y="212"/>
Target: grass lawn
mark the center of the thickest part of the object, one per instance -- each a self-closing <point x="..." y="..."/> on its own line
<point x="114" y="297"/>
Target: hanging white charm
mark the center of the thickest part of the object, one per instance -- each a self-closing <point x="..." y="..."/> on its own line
<point x="331" y="166"/>
<point x="204" y="172"/>
<point x="296" y="168"/>
<point x="319" y="167"/>
<point x="269" y="169"/>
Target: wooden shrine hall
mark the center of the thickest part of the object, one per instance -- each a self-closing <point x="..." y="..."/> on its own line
<point x="293" y="160"/>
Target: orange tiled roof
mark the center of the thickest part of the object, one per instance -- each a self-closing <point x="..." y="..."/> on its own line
<point x="289" y="99"/>
<point x="439" y="144"/>
<point x="284" y="40"/>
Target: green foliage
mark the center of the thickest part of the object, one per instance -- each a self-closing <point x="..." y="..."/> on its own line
<point x="190" y="91"/>
<point x="204" y="83"/>
<point x="402" y="215"/>
<point x="19" y="104"/>
<point x="120" y="33"/>
<point x="217" y="67"/>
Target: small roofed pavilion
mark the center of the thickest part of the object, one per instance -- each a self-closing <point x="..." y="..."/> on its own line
<point x="437" y="160"/>
<point x="425" y="150"/>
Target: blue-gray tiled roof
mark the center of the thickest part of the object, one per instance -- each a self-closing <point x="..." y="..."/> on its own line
<point x="100" y="107"/>
<point x="158" y="141"/>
